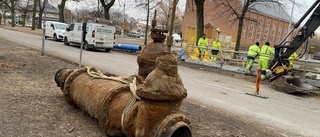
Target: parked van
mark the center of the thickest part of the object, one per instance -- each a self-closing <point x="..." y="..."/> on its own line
<point x="176" y="37"/>
<point x="98" y="36"/>
<point x="55" y="30"/>
<point x="134" y="34"/>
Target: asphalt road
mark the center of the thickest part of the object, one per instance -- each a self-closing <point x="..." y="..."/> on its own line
<point x="295" y="114"/>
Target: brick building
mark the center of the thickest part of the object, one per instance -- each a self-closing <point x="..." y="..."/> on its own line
<point x="270" y="23"/>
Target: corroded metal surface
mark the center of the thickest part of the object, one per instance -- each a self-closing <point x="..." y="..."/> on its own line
<point x="147" y="105"/>
<point x="153" y="111"/>
<point x="147" y="58"/>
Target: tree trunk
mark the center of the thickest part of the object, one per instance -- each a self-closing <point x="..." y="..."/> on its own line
<point x="34" y="15"/>
<point x="237" y="47"/>
<point x="41" y="9"/>
<point x="40" y="21"/>
<point x="106" y="13"/>
<point x="61" y="10"/>
<point x="107" y="8"/>
<point x="241" y="19"/>
<point x="4" y="16"/>
<point x="25" y="14"/>
<point x="0" y="18"/>
<point x="200" y="19"/>
<point x="13" y="24"/>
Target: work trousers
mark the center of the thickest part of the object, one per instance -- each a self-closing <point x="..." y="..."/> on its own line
<point x="249" y="63"/>
<point x="263" y="65"/>
<point x="214" y="53"/>
<point x="202" y="52"/>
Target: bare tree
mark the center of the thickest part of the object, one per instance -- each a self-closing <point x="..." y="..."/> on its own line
<point x="61" y="9"/>
<point x="106" y="6"/>
<point x="24" y="11"/>
<point x="3" y="8"/>
<point x="117" y="18"/>
<point x="235" y="13"/>
<point x="164" y="16"/>
<point x="11" y="4"/>
<point x="87" y="14"/>
<point x="34" y="15"/>
<point x="1" y="16"/>
<point x="41" y="9"/>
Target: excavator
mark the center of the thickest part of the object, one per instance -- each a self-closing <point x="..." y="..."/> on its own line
<point x="281" y="73"/>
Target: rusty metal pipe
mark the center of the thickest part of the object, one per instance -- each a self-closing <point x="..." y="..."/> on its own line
<point x="153" y="111"/>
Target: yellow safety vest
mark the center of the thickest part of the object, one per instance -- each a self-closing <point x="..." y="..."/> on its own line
<point x="253" y="51"/>
<point x="292" y="57"/>
<point x="265" y="52"/>
<point x="202" y="43"/>
<point x="216" y="45"/>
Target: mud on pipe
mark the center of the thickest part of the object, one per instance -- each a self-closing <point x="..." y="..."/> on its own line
<point x="130" y="106"/>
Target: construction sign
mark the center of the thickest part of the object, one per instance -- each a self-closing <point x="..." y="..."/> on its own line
<point x="123" y="25"/>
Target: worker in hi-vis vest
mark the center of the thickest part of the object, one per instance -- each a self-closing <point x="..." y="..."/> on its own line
<point x="202" y="44"/>
<point x="292" y="57"/>
<point x="216" y="47"/>
<point x="253" y="52"/>
<point x="265" y="54"/>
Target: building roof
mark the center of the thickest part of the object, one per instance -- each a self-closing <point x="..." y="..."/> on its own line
<point x="270" y="9"/>
<point x="50" y="8"/>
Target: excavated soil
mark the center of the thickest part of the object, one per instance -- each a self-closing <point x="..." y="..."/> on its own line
<point x="32" y="105"/>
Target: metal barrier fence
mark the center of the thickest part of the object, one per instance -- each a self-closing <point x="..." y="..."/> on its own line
<point x="236" y="60"/>
<point x="223" y="57"/>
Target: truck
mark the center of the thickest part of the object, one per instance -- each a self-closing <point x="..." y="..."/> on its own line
<point x="55" y="30"/>
<point x="282" y="76"/>
<point x="98" y="36"/>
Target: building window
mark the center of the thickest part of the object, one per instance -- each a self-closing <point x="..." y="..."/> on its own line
<point x="244" y="31"/>
<point x="273" y="31"/>
<point x="218" y="14"/>
<point x="251" y="29"/>
<point x="260" y="23"/>
<point x="284" y="32"/>
<point x="279" y="33"/>
<point x="266" y="32"/>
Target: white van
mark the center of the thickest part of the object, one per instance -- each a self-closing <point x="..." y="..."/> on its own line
<point x="55" y="30"/>
<point x="99" y="36"/>
<point x="176" y="37"/>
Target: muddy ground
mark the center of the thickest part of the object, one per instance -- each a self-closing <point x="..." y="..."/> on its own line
<point x="32" y="105"/>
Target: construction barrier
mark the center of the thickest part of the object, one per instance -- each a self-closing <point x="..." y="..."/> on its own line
<point x="223" y="57"/>
<point x="236" y="60"/>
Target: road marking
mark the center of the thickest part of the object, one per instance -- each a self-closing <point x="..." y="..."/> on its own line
<point x="216" y="85"/>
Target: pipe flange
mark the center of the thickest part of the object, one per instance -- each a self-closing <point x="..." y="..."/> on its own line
<point x="174" y="125"/>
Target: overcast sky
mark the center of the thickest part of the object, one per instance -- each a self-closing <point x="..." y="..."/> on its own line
<point x="133" y="11"/>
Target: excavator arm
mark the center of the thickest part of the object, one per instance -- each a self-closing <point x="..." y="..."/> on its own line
<point x="280" y="64"/>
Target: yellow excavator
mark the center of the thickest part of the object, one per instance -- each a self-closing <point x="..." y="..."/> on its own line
<point x="281" y="76"/>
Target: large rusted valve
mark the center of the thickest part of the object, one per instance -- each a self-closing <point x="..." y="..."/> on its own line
<point x="130" y="106"/>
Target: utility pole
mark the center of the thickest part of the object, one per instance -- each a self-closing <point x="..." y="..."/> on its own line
<point x="146" y="33"/>
<point x="98" y="9"/>
<point x="123" y="23"/>
<point x="289" y="26"/>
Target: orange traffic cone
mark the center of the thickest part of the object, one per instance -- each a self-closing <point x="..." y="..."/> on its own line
<point x="257" y="94"/>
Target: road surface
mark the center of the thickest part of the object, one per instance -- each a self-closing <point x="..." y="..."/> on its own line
<point x="295" y="114"/>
